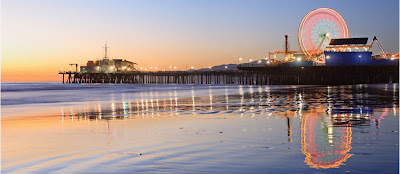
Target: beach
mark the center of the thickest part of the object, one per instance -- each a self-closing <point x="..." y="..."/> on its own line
<point x="161" y="128"/>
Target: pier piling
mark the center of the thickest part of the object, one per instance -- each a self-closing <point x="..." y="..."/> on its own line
<point x="311" y="75"/>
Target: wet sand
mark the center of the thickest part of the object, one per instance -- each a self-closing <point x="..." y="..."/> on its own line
<point x="251" y="129"/>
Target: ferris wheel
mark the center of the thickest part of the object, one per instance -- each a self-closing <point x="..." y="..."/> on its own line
<point x="318" y="27"/>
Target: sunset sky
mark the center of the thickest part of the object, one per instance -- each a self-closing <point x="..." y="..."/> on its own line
<point x="40" y="36"/>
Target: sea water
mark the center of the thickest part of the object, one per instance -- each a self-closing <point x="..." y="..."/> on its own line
<point x="153" y="128"/>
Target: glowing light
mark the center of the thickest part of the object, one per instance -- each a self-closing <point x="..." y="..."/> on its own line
<point x="299" y="59"/>
<point x="240" y="58"/>
<point x="328" y="57"/>
<point x="308" y="34"/>
<point x="226" y="67"/>
<point x="259" y="61"/>
<point x="192" y="67"/>
<point x="359" y="55"/>
<point x="268" y="62"/>
<point x="175" y="67"/>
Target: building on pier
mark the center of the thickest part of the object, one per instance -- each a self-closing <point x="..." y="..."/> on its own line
<point x="108" y="66"/>
<point x="355" y="52"/>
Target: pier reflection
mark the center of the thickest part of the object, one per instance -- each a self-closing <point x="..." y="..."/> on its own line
<point x="150" y="104"/>
<point x="323" y="144"/>
<point x="327" y="115"/>
<point x="326" y="140"/>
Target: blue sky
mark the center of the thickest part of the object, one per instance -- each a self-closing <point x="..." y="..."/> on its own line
<point x="180" y="32"/>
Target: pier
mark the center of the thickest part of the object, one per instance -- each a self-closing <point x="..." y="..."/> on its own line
<point x="274" y="75"/>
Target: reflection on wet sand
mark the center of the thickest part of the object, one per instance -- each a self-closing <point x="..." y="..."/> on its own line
<point x="326" y="130"/>
<point x="319" y="121"/>
<point x="149" y="104"/>
<point x="326" y="140"/>
<point x="323" y="144"/>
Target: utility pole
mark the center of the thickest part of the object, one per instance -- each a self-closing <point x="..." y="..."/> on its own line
<point x="76" y="66"/>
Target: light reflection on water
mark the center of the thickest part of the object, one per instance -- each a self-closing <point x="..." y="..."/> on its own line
<point x="317" y="121"/>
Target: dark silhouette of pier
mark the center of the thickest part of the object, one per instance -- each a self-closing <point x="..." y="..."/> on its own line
<point x="274" y="75"/>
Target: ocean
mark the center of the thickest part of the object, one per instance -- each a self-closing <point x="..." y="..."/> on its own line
<point x="166" y="128"/>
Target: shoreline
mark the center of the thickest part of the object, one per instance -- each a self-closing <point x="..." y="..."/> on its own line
<point x="154" y="93"/>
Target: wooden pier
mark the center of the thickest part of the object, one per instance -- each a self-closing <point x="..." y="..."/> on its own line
<point x="276" y="75"/>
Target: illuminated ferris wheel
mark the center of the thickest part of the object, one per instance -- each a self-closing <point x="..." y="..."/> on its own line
<point x="317" y="28"/>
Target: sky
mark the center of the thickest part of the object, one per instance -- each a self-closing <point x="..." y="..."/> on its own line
<point x="40" y="36"/>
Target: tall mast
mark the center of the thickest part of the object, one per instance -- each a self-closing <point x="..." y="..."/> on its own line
<point x="105" y="51"/>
